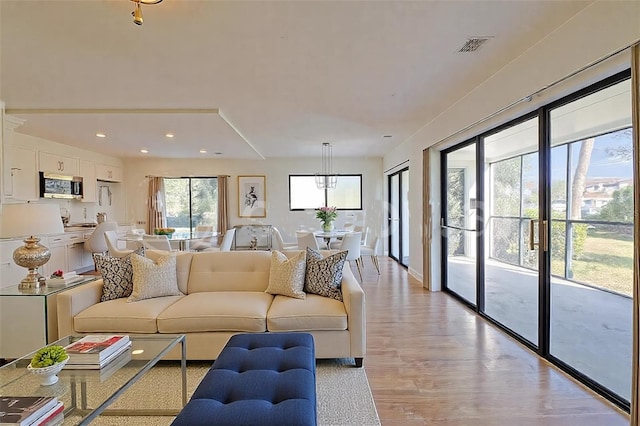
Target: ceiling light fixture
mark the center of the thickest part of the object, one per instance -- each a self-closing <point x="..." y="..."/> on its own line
<point x="101" y="135"/>
<point x="169" y="135"/>
<point x="326" y="179"/>
<point x="144" y="151"/>
<point x="137" y="12"/>
<point x="203" y="151"/>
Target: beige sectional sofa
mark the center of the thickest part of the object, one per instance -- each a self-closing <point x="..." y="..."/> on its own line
<point x="224" y="294"/>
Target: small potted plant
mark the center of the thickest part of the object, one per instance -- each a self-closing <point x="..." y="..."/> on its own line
<point x="48" y="362"/>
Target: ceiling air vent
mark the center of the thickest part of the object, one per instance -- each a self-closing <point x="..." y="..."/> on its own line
<point x="472" y="44"/>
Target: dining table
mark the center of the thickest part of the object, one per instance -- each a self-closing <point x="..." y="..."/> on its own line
<point x="327" y="236"/>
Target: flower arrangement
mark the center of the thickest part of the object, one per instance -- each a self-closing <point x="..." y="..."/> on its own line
<point x="164" y="231"/>
<point x="326" y="216"/>
<point x="58" y="274"/>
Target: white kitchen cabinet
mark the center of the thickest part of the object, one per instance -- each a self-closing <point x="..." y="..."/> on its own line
<point x="108" y="173"/>
<point x="58" y="260"/>
<point x="58" y="164"/>
<point x="67" y="253"/>
<point x="20" y="174"/>
<point x="10" y="273"/>
<point x="89" y="183"/>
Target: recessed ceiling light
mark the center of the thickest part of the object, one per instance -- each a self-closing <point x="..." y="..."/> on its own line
<point x="144" y="151"/>
<point x="203" y="151"/>
<point x="101" y="135"/>
<point x="169" y="135"/>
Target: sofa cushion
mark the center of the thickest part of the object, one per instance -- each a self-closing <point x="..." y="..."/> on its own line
<point x="286" y="276"/>
<point x="117" y="316"/>
<point x="154" y="279"/>
<point x="324" y="274"/>
<point x="217" y="311"/>
<point x="310" y="314"/>
<point x="229" y="271"/>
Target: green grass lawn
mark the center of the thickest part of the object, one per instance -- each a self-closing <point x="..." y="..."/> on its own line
<point x="605" y="262"/>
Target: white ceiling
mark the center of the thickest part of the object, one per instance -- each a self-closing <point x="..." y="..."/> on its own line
<point x="252" y="79"/>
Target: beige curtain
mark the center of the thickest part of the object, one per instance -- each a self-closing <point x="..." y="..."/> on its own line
<point x="157" y="213"/>
<point x="635" y="112"/>
<point x="223" y="206"/>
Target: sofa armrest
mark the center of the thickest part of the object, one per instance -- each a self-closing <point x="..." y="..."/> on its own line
<point x="354" y="303"/>
<point x="73" y="301"/>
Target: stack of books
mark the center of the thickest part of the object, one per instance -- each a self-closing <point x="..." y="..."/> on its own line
<point x="66" y="279"/>
<point x="96" y="351"/>
<point x="31" y="411"/>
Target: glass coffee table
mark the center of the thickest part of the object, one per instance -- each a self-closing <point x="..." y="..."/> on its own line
<point x="86" y="394"/>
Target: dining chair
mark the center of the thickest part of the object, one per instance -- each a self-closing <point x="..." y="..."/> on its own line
<point x="278" y="242"/>
<point x="203" y="238"/>
<point x="334" y="245"/>
<point x="306" y="239"/>
<point x="227" y="241"/>
<point x="96" y="242"/>
<point x="351" y="244"/>
<point x="371" y="250"/>
<point x="111" y="238"/>
<point x="156" y="242"/>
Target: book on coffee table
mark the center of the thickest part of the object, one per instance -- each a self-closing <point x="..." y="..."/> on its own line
<point x="25" y="410"/>
<point x="108" y="366"/>
<point x="95" y="349"/>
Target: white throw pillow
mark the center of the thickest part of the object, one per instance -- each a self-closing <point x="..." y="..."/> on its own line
<point x="286" y="276"/>
<point x="154" y="279"/>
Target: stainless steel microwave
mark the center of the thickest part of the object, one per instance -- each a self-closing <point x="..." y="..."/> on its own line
<point x="53" y="185"/>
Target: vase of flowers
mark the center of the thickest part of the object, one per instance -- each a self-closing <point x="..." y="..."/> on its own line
<point x="327" y="215"/>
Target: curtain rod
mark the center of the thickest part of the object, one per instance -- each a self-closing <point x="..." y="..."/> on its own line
<point x="184" y="177"/>
<point x="537" y="92"/>
<point x="397" y="165"/>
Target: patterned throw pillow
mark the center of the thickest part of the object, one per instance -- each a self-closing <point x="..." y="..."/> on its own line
<point x="117" y="275"/>
<point x="324" y="275"/>
<point x="286" y="276"/>
<point x="154" y="279"/>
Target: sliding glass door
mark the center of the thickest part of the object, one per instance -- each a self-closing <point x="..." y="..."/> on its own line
<point x="538" y="232"/>
<point x="592" y="236"/>
<point x="399" y="216"/>
<point x="511" y="251"/>
<point x="459" y="235"/>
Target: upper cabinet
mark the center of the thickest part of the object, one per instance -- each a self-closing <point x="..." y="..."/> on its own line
<point x="88" y="174"/>
<point x="20" y="174"/>
<point x="108" y="173"/>
<point x="58" y="164"/>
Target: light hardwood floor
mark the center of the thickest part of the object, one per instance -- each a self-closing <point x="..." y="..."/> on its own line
<point x="432" y="361"/>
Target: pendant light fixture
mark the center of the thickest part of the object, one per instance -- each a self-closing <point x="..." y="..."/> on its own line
<point x="137" y="12"/>
<point x="326" y="179"/>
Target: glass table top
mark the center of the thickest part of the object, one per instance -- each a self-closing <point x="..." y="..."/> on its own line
<point x="86" y="393"/>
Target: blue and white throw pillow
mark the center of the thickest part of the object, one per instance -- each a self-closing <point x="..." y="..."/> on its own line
<point x="117" y="275"/>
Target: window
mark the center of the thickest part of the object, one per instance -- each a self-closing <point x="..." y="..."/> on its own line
<point x="191" y="202"/>
<point x="304" y="194"/>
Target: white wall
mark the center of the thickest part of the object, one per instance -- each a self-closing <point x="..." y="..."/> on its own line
<point x="598" y="30"/>
<point x="277" y="172"/>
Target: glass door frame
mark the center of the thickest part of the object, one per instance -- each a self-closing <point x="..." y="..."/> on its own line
<point x="401" y="225"/>
<point x="542" y="348"/>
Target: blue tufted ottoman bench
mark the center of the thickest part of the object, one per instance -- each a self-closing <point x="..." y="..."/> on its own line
<point x="258" y="379"/>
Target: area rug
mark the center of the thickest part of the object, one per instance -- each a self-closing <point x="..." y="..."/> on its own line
<point x="343" y="393"/>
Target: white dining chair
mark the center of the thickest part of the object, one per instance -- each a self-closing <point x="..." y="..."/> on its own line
<point x="156" y="242"/>
<point x="351" y="243"/>
<point x="111" y="238"/>
<point x="306" y="239"/>
<point x="96" y="242"/>
<point x="278" y="243"/>
<point x="227" y="241"/>
<point x="334" y="245"/>
<point x="203" y="238"/>
<point x="371" y="250"/>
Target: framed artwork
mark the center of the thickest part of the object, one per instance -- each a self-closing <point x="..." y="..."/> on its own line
<point x="252" y="196"/>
